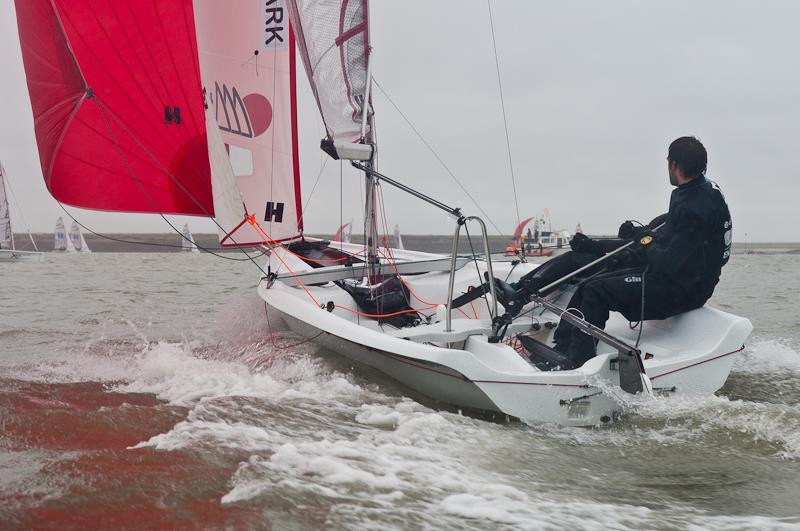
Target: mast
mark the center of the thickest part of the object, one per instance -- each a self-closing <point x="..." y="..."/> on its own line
<point x="370" y="216"/>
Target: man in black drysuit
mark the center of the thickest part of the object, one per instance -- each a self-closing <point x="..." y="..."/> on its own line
<point x="673" y="271"/>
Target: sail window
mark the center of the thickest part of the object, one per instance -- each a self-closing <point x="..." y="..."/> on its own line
<point x="241" y="160"/>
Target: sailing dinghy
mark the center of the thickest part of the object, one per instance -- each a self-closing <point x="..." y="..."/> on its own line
<point x="62" y="241"/>
<point x="398" y="238"/>
<point x="213" y="132"/>
<point x="8" y="247"/>
<point x="344" y="232"/>
<point x="77" y="239"/>
<point x="187" y="242"/>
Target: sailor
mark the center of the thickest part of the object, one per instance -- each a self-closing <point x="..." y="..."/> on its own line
<point x="671" y="271"/>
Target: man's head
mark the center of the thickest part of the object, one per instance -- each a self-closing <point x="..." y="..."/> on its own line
<point x="686" y="160"/>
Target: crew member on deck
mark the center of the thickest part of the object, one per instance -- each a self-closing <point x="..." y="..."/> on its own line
<point x="671" y="271"/>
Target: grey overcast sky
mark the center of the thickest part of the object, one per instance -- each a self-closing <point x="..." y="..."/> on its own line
<point x="594" y="93"/>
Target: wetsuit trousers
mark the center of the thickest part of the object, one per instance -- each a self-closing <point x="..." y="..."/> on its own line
<point x="621" y="291"/>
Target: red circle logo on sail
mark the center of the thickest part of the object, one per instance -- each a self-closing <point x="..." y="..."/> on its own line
<point x="260" y="112"/>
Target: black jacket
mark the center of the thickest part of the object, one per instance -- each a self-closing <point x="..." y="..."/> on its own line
<point x="696" y="241"/>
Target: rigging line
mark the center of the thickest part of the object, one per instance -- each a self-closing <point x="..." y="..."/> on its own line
<point x="147" y="152"/>
<point x="436" y="155"/>
<point x="311" y="194"/>
<point x="122" y="126"/>
<point x="101" y="107"/>
<point x="135" y="242"/>
<point x="341" y="201"/>
<point x="4" y="175"/>
<point x="503" y="108"/>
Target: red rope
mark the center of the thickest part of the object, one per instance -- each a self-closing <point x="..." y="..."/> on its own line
<point x="380" y="315"/>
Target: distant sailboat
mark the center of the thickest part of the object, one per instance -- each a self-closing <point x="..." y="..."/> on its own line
<point x="77" y="239"/>
<point x="187" y="242"/>
<point x="8" y="249"/>
<point x="578" y="229"/>
<point x="61" y="240"/>
<point x="398" y="238"/>
<point x="344" y="232"/>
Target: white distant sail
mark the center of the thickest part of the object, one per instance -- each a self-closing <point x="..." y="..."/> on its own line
<point x="187" y="242"/>
<point x="77" y="239"/>
<point x="75" y="236"/>
<point x="84" y="245"/>
<point x="62" y="241"/>
<point x="578" y="229"/>
<point x="398" y="238"/>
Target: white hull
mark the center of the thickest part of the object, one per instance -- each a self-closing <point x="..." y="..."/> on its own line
<point x="9" y="255"/>
<point x="692" y="352"/>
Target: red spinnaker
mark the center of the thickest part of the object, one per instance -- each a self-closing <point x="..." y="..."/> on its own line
<point x="520" y="228"/>
<point x="117" y="103"/>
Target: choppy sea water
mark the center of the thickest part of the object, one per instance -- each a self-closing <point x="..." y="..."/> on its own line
<point x="143" y="390"/>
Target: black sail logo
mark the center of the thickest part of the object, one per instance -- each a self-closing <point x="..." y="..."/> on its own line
<point x="233" y="117"/>
<point x="274" y="23"/>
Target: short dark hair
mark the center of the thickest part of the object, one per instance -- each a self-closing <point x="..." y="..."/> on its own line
<point x="690" y="155"/>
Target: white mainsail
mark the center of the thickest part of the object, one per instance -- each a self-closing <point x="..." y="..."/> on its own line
<point x="62" y="240"/>
<point x="398" y="237"/>
<point x="6" y="234"/>
<point x="77" y="239"/>
<point x="246" y="55"/>
<point x="84" y="245"/>
<point x="187" y="242"/>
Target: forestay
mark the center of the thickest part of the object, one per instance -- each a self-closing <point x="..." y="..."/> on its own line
<point x="117" y="103"/>
<point x="246" y="51"/>
<point x="333" y="37"/>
